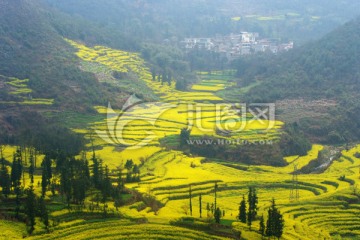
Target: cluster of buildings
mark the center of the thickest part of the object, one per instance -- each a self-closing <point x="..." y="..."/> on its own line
<point x="236" y="45"/>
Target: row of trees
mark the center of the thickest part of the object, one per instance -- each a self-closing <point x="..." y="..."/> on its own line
<point x="164" y="77"/>
<point x="211" y="208"/>
<point x="250" y="215"/>
<point x="70" y="177"/>
<point x="275" y="222"/>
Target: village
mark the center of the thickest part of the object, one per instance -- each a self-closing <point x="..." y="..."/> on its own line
<point x="235" y="45"/>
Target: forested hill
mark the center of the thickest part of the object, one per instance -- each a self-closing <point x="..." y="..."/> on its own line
<point x="155" y="20"/>
<point x="40" y="76"/>
<point x="328" y="68"/>
<point x="31" y="48"/>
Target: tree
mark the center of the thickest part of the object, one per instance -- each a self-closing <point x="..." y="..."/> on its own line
<point x="275" y="222"/>
<point x="31" y="167"/>
<point x="215" y="192"/>
<point x="43" y="181"/>
<point x="119" y="187"/>
<point x="43" y="213"/>
<point x="106" y="186"/>
<point x="65" y="180"/>
<point x="252" y="201"/>
<point x="249" y="219"/>
<point x="46" y="173"/>
<point x="81" y="181"/>
<point x="16" y="172"/>
<point x="184" y="137"/>
<point x="30" y="209"/>
<point x="217" y="215"/>
<point x="200" y="205"/>
<point x="181" y="85"/>
<point x="279" y="224"/>
<point x="16" y="169"/>
<point x="190" y="199"/>
<point x="96" y="179"/>
<point x="48" y="163"/>
<point x="242" y="211"/>
<point x="262" y="226"/>
<point x="136" y="173"/>
<point x="5" y="182"/>
<point x="129" y="165"/>
<point x="153" y="74"/>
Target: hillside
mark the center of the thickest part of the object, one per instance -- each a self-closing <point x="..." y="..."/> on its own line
<point x="32" y="49"/>
<point x="320" y="77"/>
<point x="141" y="20"/>
<point x="107" y="131"/>
<point x="327" y="68"/>
<point x="40" y="77"/>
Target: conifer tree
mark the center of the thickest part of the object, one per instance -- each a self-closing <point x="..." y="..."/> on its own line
<point x="106" y="185"/>
<point x="31" y="167"/>
<point x="252" y="203"/>
<point x="217" y="215"/>
<point x="43" y="213"/>
<point x="249" y="219"/>
<point x="5" y="182"/>
<point x="44" y="181"/>
<point x="242" y="211"/>
<point x="262" y="226"/>
<point x="30" y="209"/>
<point x="96" y="180"/>
<point x="16" y="170"/>
<point x="275" y="222"/>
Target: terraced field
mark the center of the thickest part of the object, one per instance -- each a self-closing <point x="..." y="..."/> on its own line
<point x="21" y="92"/>
<point x="168" y="174"/>
<point x="121" y="229"/>
<point x="328" y="206"/>
<point x="146" y="123"/>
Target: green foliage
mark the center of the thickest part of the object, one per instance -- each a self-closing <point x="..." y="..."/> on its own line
<point x="293" y="142"/>
<point x="217" y="215"/>
<point x="46" y="174"/>
<point x="30" y="209"/>
<point x="262" y="154"/>
<point x="262" y="226"/>
<point x="242" y="211"/>
<point x="5" y="181"/>
<point x="275" y="222"/>
<point x="16" y="169"/>
<point x="32" y="166"/>
<point x="184" y="137"/>
<point x="252" y="202"/>
<point x="181" y="85"/>
<point x="43" y="212"/>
